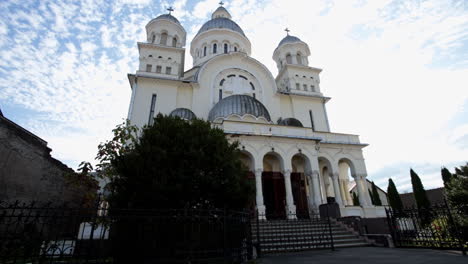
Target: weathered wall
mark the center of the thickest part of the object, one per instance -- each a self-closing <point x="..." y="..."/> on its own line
<point x="27" y="171"/>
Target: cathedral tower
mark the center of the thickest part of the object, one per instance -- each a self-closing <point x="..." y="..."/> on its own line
<point x="163" y="53"/>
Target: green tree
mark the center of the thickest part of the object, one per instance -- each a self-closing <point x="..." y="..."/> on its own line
<point x="457" y="194"/>
<point x="418" y="191"/>
<point x="356" y="199"/>
<point x="375" y="194"/>
<point x="446" y="176"/>
<point x="177" y="164"/>
<point x="394" y="198"/>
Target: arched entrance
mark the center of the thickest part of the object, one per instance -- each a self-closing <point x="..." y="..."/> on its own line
<point x="299" y="185"/>
<point x="346" y="169"/>
<point x="274" y="192"/>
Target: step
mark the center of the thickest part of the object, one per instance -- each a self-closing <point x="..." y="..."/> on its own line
<point x="300" y="233"/>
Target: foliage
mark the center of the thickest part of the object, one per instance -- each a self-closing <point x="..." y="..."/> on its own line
<point x="84" y="183"/>
<point x="394" y="198"/>
<point x="176" y="164"/>
<point x="419" y="192"/>
<point x="446" y="176"/>
<point x="375" y="195"/>
<point x="457" y="194"/>
<point x="356" y="199"/>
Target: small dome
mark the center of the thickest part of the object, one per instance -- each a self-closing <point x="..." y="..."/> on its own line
<point x="168" y="17"/>
<point x="239" y="105"/>
<point x="221" y="22"/>
<point x="221" y="12"/>
<point x="289" y="39"/>
<point x="183" y="113"/>
<point x="290" y="122"/>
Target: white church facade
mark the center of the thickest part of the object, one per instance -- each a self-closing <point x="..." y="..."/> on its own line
<point x="280" y="122"/>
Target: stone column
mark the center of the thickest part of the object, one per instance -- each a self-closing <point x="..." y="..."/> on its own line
<point x="259" y="193"/>
<point x="363" y="193"/>
<point x="290" y="207"/>
<point x="336" y="189"/>
<point x="314" y="177"/>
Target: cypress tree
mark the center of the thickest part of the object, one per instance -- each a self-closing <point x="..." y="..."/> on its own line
<point x="375" y="195"/>
<point x="418" y="191"/>
<point x="356" y="199"/>
<point x="394" y="198"/>
<point x="446" y="176"/>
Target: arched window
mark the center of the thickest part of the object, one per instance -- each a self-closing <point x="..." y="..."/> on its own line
<point x="235" y="49"/>
<point x="288" y="58"/>
<point x="215" y="48"/>
<point x="163" y="39"/>
<point x="225" y="48"/>
<point x="174" y="41"/>
<point x="298" y="58"/>
<point x="153" y="38"/>
<point x="204" y="51"/>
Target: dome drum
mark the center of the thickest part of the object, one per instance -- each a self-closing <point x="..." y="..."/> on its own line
<point x="239" y="105"/>
<point x="290" y="122"/>
<point x="183" y="113"/>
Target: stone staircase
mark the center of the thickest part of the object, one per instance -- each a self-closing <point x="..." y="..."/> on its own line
<point x="297" y="235"/>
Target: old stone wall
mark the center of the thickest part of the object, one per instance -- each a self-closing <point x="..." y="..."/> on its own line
<point x="27" y="170"/>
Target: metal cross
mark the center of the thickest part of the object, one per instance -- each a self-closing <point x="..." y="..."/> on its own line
<point x="170" y="9"/>
<point x="221" y="3"/>
<point x="287" y="31"/>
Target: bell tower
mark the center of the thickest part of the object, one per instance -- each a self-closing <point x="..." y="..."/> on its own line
<point x="294" y="74"/>
<point x="163" y="53"/>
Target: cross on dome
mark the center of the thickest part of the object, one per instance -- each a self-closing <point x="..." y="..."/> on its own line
<point x="170" y="9"/>
<point x="287" y="31"/>
<point x="221" y="3"/>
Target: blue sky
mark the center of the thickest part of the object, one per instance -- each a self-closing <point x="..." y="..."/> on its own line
<point x="397" y="71"/>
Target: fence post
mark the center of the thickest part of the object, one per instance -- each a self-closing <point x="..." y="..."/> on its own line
<point x="259" y="247"/>
<point x="389" y="214"/>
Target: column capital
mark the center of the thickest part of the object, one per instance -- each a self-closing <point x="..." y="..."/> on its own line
<point x="312" y="173"/>
<point x="258" y="171"/>
<point x="335" y="175"/>
<point x="287" y="172"/>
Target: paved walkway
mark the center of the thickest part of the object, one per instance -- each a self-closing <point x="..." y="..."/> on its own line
<point x="371" y="255"/>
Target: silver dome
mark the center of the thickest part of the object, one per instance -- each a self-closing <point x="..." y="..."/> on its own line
<point x="168" y="17"/>
<point x="289" y="39"/>
<point x="239" y="105"/>
<point x="221" y="22"/>
<point x="183" y="113"/>
<point x="290" y="122"/>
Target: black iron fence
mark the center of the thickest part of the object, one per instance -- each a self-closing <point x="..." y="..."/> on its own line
<point x="438" y="227"/>
<point x="34" y="233"/>
<point x="291" y="232"/>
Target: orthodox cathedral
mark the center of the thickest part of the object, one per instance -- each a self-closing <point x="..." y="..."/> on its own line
<point x="280" y="121"/>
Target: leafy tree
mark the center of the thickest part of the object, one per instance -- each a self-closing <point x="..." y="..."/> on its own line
<point x="176" y="164"/>
<point x="419" y="192"/>
<point x="394" y="198"/>
<point x="457" y="194"/>
<point x="375" y="194"/>
<point x="446" y="176"/>
<point x="356" y="199"/>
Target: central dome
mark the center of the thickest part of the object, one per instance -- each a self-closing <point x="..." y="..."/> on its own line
<point x="239" y="105"/>
<point x="221" y="22"/>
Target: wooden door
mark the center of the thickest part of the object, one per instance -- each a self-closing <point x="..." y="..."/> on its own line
<point x="298" y="186"/>
<point x="274" y="195"/>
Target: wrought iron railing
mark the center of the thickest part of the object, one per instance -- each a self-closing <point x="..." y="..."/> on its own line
<point x="436" y="227"/>
<point x="38" y="233"/>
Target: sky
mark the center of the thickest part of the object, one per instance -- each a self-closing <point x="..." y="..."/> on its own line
<point x="397" y="71"/>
